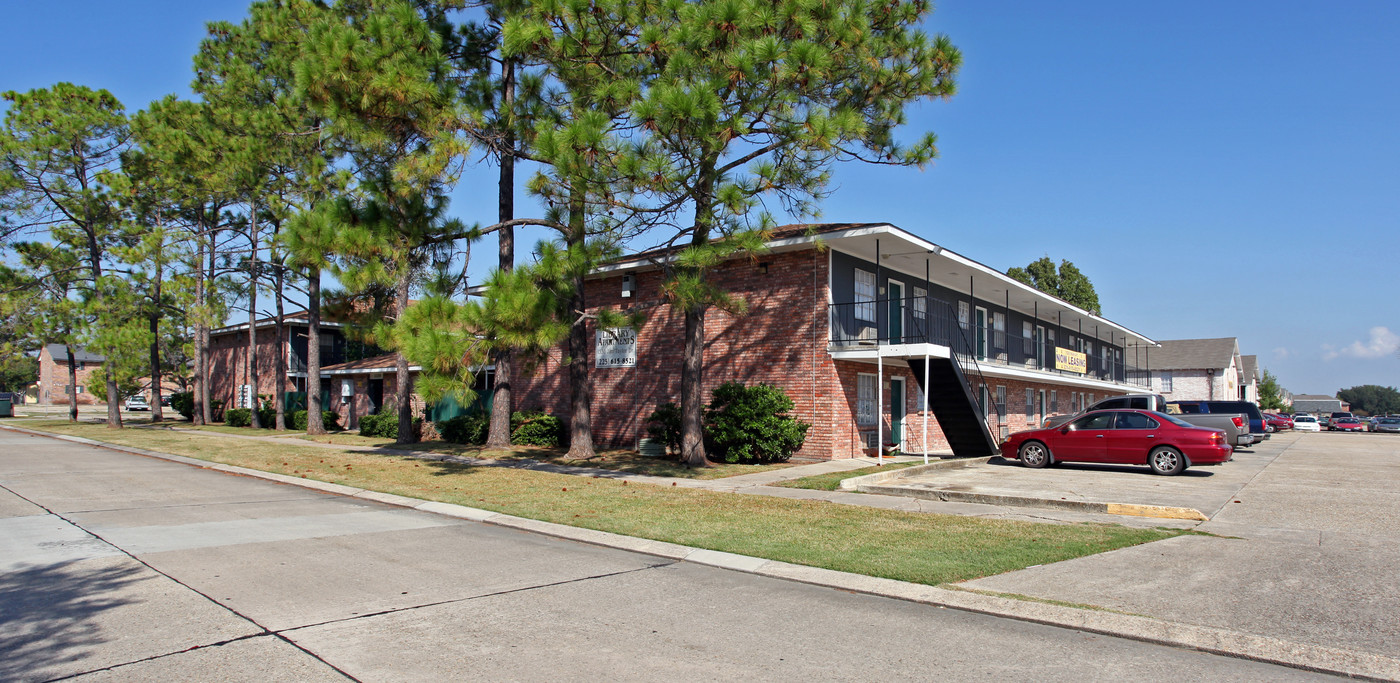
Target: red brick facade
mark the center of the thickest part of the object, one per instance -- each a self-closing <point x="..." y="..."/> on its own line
<point x="54" y="379"/>
<point x="782" y="340"/>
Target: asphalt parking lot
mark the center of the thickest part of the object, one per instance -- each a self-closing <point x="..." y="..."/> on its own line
<point x="1207" y="490"/>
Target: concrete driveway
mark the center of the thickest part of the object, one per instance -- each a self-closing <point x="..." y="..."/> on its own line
<point x="1306" y="545"/>
<point x="116" y="567"/>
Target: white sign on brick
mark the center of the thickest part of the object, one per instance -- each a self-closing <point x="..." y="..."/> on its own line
<point x="616" y="348"/>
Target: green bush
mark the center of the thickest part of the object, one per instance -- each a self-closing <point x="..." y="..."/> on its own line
<point x="536" y="429"/>
<point x="183" y="403"/>
<point x="238" y="417"/>
<point x="329" y="419"/>
<point x="751" y="424"/>
<point x="386" y="424"/>
<point x="664" y="425"/>
<point x="468" y="429"/>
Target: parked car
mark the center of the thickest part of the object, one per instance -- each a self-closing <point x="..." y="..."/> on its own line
<point x="1256" y="416"/>
<point x="137" y="402"/>
<point x="1341" y="413"/>
<point x="165" y="400"/>
<point x="1386" y="424"/>
<point x="1346" y="424"/>
<point x="1324" y="420"/>
<point x="1278" y="422"/>
<point x="1235" y="426"/>
<point x="1124" y="437"/>
<point x="1306" y="423"/>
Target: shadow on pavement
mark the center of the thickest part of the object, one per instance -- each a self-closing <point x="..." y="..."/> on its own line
<point x="48" y="614"/>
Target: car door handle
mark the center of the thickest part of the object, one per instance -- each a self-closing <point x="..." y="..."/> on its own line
<point x="1151" y="436"/>
<point x="1098" y="436"/>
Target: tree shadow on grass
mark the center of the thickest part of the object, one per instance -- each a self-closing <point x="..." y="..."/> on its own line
<point x="48" y="615"/>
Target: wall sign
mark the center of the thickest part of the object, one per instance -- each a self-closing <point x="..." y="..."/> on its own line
<point x="616" y="348"/>
<point x="1072" y="361"/>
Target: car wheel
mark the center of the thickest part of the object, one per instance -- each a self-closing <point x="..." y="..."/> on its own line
<point x="1166" y="460"/>
<point x="1034" y="454"/>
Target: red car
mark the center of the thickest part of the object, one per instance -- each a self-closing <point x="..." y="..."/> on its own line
<point x="1122" y="437"/>
<point x="1346" y="424"/>
<point x="1278" y="422"/>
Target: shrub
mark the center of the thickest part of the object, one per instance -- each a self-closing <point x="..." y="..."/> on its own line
<point x="238" y="417"/>
<point x="183" y="403"/>
<point x="329" y="419"/>
<point x="536" y="429"/>
<point x="664" y="425"/>
<point x="469" y="429"/>
<point x="386" y="425"/>
<point x="751" y="424"/>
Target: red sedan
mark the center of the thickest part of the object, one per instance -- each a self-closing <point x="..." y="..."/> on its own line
<point x="1122" y="437"/>
<point x="1278" y="422"/>
<point x="1346" y="424"/>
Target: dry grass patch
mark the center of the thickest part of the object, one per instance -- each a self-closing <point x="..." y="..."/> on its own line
<point x="924" y="548"/>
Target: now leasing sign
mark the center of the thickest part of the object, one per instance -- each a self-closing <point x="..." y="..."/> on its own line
<point x="1072" y="361"/>
<point x="616" y="348"/>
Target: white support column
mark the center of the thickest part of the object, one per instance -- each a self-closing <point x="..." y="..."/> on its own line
<point x="879" y="408"/>
<point x="927" y="409"/>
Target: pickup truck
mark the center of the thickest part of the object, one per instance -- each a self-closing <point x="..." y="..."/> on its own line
<point x="1235" y="426"/>
<point x="1257" y="426"/>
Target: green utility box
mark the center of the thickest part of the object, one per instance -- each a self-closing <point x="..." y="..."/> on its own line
<point x="7" y="407"/>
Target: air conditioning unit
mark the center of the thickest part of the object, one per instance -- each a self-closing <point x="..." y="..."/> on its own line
<point x="868" y="335"/>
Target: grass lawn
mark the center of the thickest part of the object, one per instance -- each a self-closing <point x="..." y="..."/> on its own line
<point x="831" y="481"/>
<point x="924" y="548"/>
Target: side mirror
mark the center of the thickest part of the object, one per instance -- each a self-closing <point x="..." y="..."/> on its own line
<point x="1065" y="429"/>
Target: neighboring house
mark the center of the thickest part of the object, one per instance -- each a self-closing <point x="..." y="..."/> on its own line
<point x="1249" y="382"/>
<point x="54" y="376"/>
<point x="1319" y="404"/>
<point x="1197" y="369"/>
<point x="854" y="322"/>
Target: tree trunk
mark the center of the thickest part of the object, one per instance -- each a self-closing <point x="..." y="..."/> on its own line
<point x="403" y="392"/>
<point x="279" y="392"/>
<point x="314" y="423"/>
<point x="207" y="410"/>
<point x="72" y="386"/>
<point x="499" y="434"/>
<point x="252" y="369"/>
<point x="201" y="346"/>
<point x="156" y="414"/>
<point x="580" y="383"/>
<point x="693" y="353"/>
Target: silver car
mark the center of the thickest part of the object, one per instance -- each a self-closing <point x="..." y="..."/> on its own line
<point x="1386" y="424"/>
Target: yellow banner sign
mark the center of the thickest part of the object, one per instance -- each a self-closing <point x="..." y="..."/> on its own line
<point x="1072" y="361"/>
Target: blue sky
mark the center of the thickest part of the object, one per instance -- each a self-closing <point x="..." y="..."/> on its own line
<point x="1217" y="169"/>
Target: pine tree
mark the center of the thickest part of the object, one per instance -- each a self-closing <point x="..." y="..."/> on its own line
<point x="61" y="147"/>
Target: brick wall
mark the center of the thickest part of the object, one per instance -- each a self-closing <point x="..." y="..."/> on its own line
<point x="54" y="380"/>
<point x="228" y="361"/>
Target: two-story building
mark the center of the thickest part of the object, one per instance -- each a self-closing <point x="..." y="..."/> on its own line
<point x="55" y="376"/>
<point x="879" y="336"/>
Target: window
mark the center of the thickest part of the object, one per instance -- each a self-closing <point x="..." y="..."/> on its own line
<point x="1027" y="342"/>
<point x="998" y="330"/>
<point x="982" y="399"/>
<point x="1166" y="382"/>
<point x="1030" y="403"/>
<point x="865" y="295"/>
<point x="1091" y="399"/>
<point x="964" y="314"/>
<point x="1054" y="400"/>
<point x="1135" y="421"/>
<point x="1001" y="400"/>
<point x="920" y="303"/>
<point x="1095" y="421"/>
<point x="865" y="399"/>
<point x="79" y="390"/>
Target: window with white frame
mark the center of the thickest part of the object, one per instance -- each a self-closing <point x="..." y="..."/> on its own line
<point x="998" y="330"/>
<point x="1030" y="403"/>
<point x="920" y="303"/>
<point x="865" y="295"/>
<point x="1073" y="402"/>
<point x="964" y="315"/>
<point x="865" y="400"/>
<point x="1027" y="342"/>
<point x="1166" y="382"/>
<point x="1091" y="398"/>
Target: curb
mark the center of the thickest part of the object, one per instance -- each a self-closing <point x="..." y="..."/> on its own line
<point x="1207" y="639"/>
<point x="1127" y="509"/>
<point x="854" y="483"/>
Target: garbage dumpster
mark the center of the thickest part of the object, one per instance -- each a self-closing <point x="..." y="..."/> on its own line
<point x="7" y="407"/>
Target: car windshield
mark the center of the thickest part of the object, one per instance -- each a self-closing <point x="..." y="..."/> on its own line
<point x="1304" y="419"/>
<point x="1168" y="418"/>
<point x="1390" y="421"/>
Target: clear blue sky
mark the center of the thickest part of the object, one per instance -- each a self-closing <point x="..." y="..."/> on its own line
<point x="1217" y="169"/>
